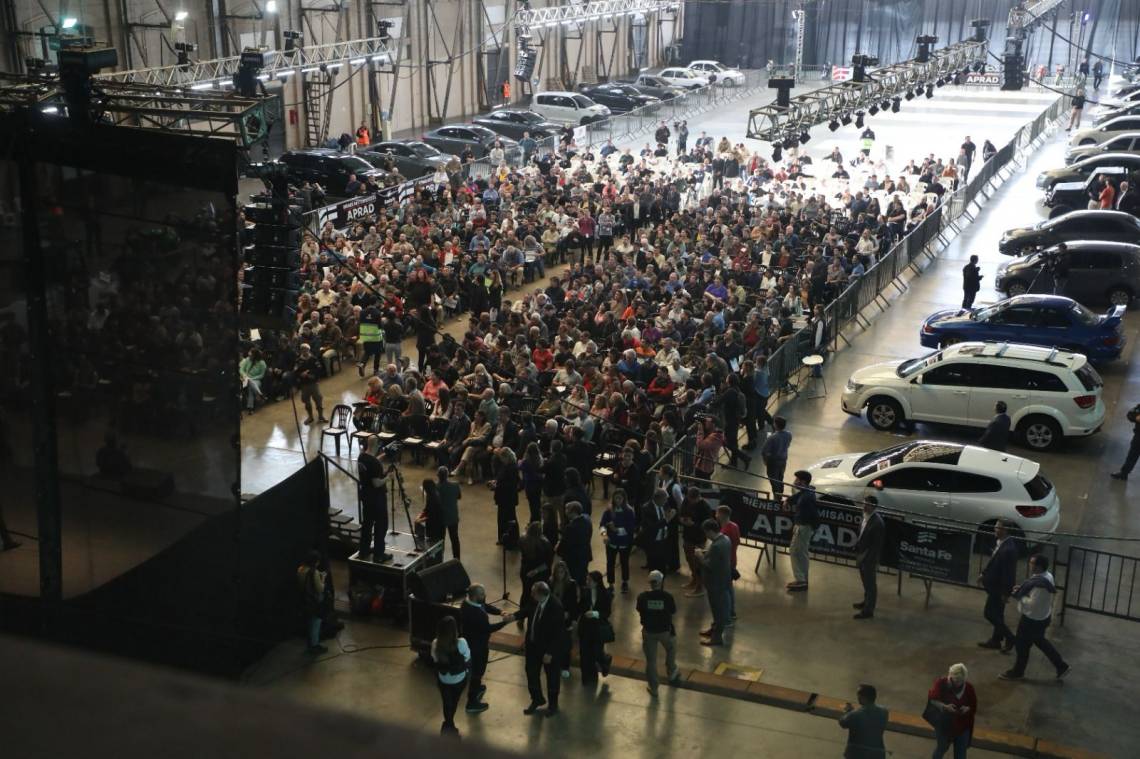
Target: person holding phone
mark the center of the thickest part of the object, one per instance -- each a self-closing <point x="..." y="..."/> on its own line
<point x="955" y="697"/>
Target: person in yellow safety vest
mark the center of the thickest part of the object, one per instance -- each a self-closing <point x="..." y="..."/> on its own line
<point x="371" y="340"/>
<point x="868" y="141"/>
<point x="363" y="136"/>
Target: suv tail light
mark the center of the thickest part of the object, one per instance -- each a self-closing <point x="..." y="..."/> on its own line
<point x="1085" y="401"/>
<point x="927" y="329"/>
<point x="1031" y="511"/>
<point x="1113" y="340"/>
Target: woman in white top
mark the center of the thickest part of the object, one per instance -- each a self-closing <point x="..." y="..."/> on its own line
<point x="452" y="656"/>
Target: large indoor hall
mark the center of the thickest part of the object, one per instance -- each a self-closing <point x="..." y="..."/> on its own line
<point x="629" y="378"/>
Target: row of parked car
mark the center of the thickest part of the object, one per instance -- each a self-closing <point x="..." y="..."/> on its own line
<point x="1034" y="351"/>
<point x="389" y="161"/>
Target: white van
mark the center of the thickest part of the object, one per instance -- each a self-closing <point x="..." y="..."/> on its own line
<point x="568" y="108"/>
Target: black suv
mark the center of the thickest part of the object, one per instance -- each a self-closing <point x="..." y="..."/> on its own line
<point x="412" y="158"/>
<point x="331" y="169"/>
<point x="618" y="97"/>
<point x="513" y="123"/>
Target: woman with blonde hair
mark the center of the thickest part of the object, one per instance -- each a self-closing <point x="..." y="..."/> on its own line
<point x="950" y="710"/>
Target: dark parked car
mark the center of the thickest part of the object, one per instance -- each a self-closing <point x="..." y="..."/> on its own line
<point x="647" y="84"/>
<point x="1069" y="196"/>
<point x="511" y="123"/>
<point x="1076" y="225"/>
<point x="331" y="169"/>
<point x="1099" y="272"/>
<point x="1082" y="169"/>
<point x="1047" y="320"/>
<point x="1132" y="109"/>
<point x="383" y="163"/>
<point x="618" y="97"/>
<point x="456" y="138"/>
<point x="412" y="158"/>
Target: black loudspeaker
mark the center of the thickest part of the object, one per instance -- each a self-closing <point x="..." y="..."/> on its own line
<point x="439" y="583"/>
<point x="524" y="64"/>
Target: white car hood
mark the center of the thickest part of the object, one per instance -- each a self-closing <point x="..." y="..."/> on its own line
<point x="877" y="374"/>
<point x="834" y="472"/>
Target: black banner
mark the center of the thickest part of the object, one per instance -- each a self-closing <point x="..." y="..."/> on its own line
<point x="938" y="552"/>
<point x="932" y="552"/>
<point x="347" y="212"/>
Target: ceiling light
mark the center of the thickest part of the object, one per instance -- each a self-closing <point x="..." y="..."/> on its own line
<point x="895" y="105"/>
<point x="359" y="61"/>
<point x="930" y="90"/>
<point x="202" y="86"/>
<point x="909" y="95"/>
<point x="833" y="125"/>
<point x="845" y="118"/>
<point x="70" y="22"/>
<point x="859" y="118"/>
<point x="885" y="104"/>
<point x="872" y="110"/>
<point x="804" y="137"/>
<point x="271" y="6"/>
<point x="181" y="15"/>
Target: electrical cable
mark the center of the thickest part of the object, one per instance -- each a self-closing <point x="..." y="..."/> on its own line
<point x="1086" y="50"/>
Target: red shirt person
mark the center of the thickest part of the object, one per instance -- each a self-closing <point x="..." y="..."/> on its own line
<point x="956" y="698"/>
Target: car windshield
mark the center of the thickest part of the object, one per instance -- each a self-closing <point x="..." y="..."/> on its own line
<point x="987" y="313"/>
<point x="1084" y="316"/>
<point x="483" y="132"/>
<point x="583" y="101"/>
<point x="422" y="149"/>
<point x="356" y="164"/>
<point x="530" y="117"/>
<point x="920" y="452"/>
<point x="913" y="365"/>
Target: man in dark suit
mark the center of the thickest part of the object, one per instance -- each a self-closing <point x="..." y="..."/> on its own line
<point x="865" y="726"/>
<point x="998" y="578"/>
<point x="544" y="635"/>
<point x="574" y="547"/>
<point x="1128" y="200"/>
<point x="971" y="282"/>
<point x="656" y="517"/>
<point x="868" y="549"/>
<point x="477" y="628"/>
<point x="996" y="436"/>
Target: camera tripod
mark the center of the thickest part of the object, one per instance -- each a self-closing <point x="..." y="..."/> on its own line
<point x="398" y="485"/>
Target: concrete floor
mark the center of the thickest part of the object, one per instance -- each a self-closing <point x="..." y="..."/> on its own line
<point x="805" y="641"/>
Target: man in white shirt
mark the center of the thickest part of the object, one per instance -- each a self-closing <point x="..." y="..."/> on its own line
<point x="1035" y="602"/>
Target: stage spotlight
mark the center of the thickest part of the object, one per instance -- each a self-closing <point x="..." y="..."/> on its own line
<point x="885" y="104"/>
<point x="804" y="137"/>
<point x="909" y="95"/>
<point x="979" y="66"/>
<point x="777" y="152"/>
<point x="941" y="81"/>
<point x="918" y="89"/>
<point x="873" y="109"/>
<point x="895" y="105"/>
<point x="846" y="119"/>
<point x="930" y="90"/>
<point x="791" y="142"/>
<point x="859" y="118"/>
<point x="833" y="125"/>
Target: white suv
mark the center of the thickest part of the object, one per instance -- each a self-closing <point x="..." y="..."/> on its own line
<point x="568" y="108"/>
<point x="718" y="72"/>
<point x="1049" y="393"/>
<point x="683" y="78"/>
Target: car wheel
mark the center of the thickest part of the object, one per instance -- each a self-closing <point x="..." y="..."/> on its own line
<point x="1016" y="288"/>
<point x="1040" y="433"/>
<point x="1088" y="141"/>
<point x="946" y="342"/>
<point x="1059" y="211"/>
<point x="1120" y="296"/>
<point x="884" y="413"/>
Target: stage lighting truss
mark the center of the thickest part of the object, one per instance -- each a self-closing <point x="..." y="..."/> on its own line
<point x="771" y="123"/>
<point x="165" y="109"/>
<point x="218" y="73"/>
<point x="579" y="13"/>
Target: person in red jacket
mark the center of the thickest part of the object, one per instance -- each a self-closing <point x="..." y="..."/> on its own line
<point x="661" y="387"/>
<point x="956" y="697"/>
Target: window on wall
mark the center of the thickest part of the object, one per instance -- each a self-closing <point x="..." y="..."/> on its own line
<point x="639" y="42"/>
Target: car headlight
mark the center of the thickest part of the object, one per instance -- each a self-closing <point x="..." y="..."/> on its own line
<point x="1041" y="179"/>
<point x="853" y="386"/>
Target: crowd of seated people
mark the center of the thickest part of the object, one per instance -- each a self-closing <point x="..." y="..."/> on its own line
<point x="676" y="274"/>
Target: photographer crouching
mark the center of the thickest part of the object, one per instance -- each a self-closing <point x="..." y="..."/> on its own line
<point x="1133" y="447"/>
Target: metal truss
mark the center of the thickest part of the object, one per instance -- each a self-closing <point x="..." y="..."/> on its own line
<point x="580" y="13"/>
<point x="219" y="71"/>
<point x="772" y="123"/>
<point x="168" y="109"/>
<point x="1022" y="16"/>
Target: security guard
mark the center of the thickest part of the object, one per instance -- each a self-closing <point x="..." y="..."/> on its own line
<point x="657" y="608"/>
<point x="371" y="340"/>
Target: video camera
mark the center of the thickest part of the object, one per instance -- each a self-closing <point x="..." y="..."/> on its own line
<point x="392" y="450"/>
